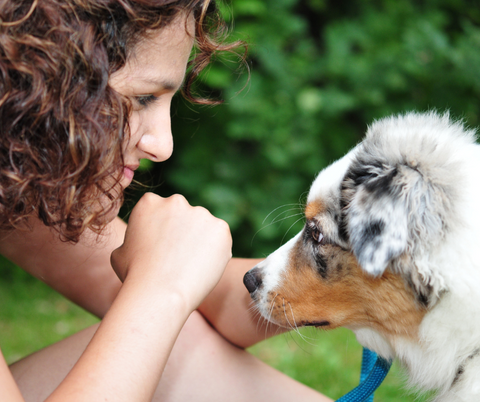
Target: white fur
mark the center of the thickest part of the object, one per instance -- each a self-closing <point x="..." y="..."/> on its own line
<point x="272" y="277"/>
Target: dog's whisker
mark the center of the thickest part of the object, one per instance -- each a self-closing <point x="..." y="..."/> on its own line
<point x="274" y="222"/>
<point x="293" y="316"/>
<point x="272" y="306"/>
<point x="297" y="330"/>
<point x="282" y="206"/>
<point x="278" y="219"/>
<point x="291" y="326"/>
<point x="286" y="316"/>
<point x="254" y="310"/>
<point x="257" y="315"/>
<point x="287" y="217"/>
<point x="291" y="226"/>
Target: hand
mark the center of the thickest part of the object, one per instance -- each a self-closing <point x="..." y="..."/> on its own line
<point x="181" y="248"/>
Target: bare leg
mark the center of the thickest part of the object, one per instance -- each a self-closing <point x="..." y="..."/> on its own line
<point x="203" y="366"/>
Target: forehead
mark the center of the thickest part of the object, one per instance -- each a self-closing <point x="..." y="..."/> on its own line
<point x="327" y="183"/>
<point x="158" y="60"/>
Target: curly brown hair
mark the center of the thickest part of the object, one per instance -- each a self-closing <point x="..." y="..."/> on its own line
<point x="62" y="125"/>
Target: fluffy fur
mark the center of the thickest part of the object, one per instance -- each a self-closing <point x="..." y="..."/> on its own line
<point x="391" y="250"/>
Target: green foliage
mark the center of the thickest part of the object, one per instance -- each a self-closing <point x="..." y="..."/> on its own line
<point x="321" y="71"/>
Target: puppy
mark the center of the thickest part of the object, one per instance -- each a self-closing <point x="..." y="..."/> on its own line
<point x="391" y="250"/>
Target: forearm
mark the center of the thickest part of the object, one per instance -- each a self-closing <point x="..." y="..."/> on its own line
<point x="229" y="308"/>
<point x="127" y="355"/>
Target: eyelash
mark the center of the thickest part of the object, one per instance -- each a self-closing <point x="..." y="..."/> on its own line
<point x="146" y="100"/>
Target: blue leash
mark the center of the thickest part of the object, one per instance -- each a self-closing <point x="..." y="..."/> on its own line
<point x="374" y="370"/>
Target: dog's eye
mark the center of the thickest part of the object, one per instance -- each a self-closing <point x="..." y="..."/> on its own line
<point x="316" y="235"/>
<point x="313" y="232"/>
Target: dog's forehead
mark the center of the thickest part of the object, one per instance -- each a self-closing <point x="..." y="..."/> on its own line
<point x="327" y="184"/>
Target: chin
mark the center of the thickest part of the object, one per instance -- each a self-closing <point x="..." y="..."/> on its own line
<point x="391" y="250"/>
<point x="112" y="206"/>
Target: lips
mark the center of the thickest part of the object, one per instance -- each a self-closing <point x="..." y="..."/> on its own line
<point x="129" y="171"/>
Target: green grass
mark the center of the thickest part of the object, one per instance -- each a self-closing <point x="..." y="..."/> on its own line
<point x="329" y="361"/>
<point x="33" y="316"/>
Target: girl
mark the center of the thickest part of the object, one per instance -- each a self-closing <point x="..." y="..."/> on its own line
<point x="86" y="87"/>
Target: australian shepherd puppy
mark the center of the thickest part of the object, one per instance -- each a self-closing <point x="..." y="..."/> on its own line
<point x="391" y="250"/>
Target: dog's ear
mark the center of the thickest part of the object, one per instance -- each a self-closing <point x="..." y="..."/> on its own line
<point x="376" y="214"/>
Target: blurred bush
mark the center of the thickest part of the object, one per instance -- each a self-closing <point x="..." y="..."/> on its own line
<point x="321" y="71"/>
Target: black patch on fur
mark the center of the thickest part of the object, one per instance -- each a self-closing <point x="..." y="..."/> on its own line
<point x="342" y="228"/>
<point x="371" y="233"/>
<point x="363" y="170"/>
<point x="461" y="368"/>
<point x="460" y="371"/>
<point x="422" y="296"/>
<point x="321" y="263"/>
<point x="381" y="185"/>
<point x="375" y="177"/>
<point x="423" y="299"/>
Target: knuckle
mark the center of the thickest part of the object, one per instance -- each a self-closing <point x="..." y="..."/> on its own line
<point x="224" y="226"/>
<point x="201" y="211"/>
<point x="178" y="200"/>
<point x="149" y="199"/>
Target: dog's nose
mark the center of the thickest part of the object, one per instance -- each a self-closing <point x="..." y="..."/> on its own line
<point x="252" y="280"/>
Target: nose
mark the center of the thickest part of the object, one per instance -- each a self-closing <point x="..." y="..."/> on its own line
<point x="253" y="279"/>
<point x="156" y="143"/>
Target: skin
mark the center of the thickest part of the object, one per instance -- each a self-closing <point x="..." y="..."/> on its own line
<point x="175" y="312"/>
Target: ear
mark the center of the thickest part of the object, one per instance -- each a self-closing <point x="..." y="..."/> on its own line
<point x="376" y="215"/>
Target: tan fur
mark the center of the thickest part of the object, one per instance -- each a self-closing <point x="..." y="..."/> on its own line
<point x="348" y="297"/>
<point x="314" y="209"/>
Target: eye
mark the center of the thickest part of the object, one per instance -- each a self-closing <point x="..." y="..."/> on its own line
<point x="316" y="235"/>
<point x="146" y="100"/>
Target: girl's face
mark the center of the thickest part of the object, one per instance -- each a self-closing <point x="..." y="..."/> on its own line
<point x="152" y="75"/>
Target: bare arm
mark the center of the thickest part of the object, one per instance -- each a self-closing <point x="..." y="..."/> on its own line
<point x="81" y="272"/>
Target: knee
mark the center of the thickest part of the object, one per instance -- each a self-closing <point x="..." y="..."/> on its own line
<point x="198" y="328"/>
<point x="198" y="336"/>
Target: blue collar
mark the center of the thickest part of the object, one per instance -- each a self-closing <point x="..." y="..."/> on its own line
<point x="374" y="370"/>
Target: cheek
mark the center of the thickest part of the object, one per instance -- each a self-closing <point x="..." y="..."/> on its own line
<point x="305" y="298"/>
<point x="347" y="297"/>
<point x="135" y="129"/>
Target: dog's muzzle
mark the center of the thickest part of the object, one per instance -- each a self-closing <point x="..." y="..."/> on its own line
<point x="253" y="280"/>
